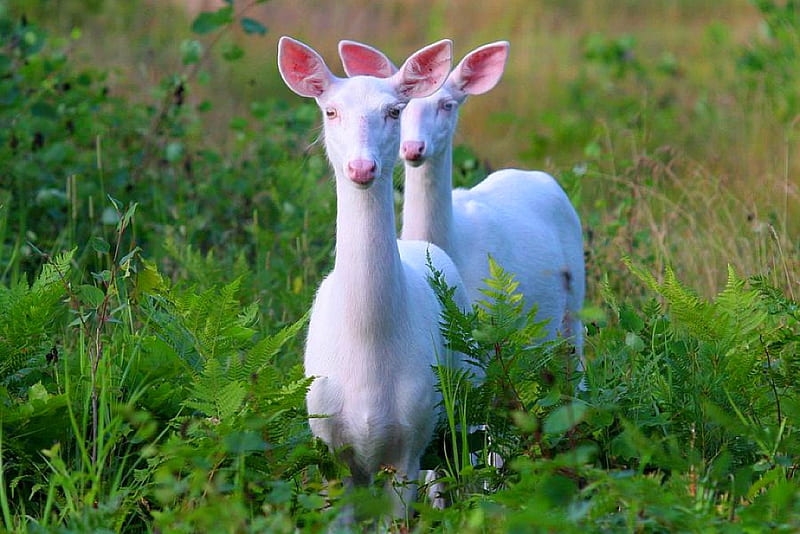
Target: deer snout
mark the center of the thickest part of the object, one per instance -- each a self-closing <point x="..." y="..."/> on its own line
<point x="361" y="171"/>
<point x="412" y="150"/>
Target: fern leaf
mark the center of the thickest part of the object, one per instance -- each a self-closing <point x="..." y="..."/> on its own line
<point x="214" y="395"/>
<point x="27" y="316"/>
<point x="54" y="271"/>
<point x="263" y="352"/>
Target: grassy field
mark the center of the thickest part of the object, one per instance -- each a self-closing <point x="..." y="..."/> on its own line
<point x="166" y="215"/>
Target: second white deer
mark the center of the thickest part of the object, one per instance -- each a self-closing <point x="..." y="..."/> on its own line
<point x="523" y="219"/>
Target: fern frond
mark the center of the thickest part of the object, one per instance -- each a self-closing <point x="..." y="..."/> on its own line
<point x="215" y="395"/>
<point x="733" y="315"/>
<point x="27" y="316"/>
<point x="54" y="271"/>
<point x="503" y="301"/>
<point x="272" y="388"/>
<point x="742" y="306"/>
<point x="688" y="309"/>
<point x="455" y="324"/>
<point x="262" y="353"/>
<point x="206" y="325"/>
<point x="169" y="327"/>
<point x="214" y="320"/>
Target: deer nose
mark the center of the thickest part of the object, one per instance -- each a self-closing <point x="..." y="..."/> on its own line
<point x="361" y="171"/>
<point x="412" y="150"/>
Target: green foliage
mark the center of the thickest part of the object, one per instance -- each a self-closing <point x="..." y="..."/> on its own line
<point x="771" y="62"/>
<point x="68" y="137"/>
<point x="245" y="421"/>
<point x="517" y="384"/>
<point x="156" y="269"/>
<point x="27" y="317"/>
<point x="684" y="425"/>
<point x="712" y="358"/>
<point x="225" y="401"/>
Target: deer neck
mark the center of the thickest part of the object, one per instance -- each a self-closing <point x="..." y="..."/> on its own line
<point x="367" y="266"/>
<point x="428" y="201"/>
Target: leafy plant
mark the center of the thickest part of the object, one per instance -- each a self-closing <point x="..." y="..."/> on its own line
<point x="28" y="315"/>
<point x="770" y="62"/>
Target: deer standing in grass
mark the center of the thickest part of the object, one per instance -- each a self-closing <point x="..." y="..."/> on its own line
<point x="523" y="219"/>
<point x="374" y="328"/>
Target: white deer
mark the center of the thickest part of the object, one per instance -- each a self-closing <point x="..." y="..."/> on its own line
<point x="374" y="328"/>
<point x="523" y="219"/>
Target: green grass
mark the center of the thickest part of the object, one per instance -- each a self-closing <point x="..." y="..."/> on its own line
<point x="166" y="216"/>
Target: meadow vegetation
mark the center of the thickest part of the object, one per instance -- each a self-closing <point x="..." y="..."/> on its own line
<point x="166" y="214"/>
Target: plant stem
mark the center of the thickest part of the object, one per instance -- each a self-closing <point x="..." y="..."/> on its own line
<point x="768" y="372"/>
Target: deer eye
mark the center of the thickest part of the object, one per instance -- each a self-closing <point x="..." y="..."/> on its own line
<point x="331" y="113"/>
<point x="447" y="105"/>
<point x="393" y="112"/>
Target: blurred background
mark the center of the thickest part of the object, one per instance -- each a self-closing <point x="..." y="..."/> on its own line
<point x="673" y="53"/>
<point x="671" y="123"/>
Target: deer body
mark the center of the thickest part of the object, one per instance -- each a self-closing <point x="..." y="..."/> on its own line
<point x="374" y="332"/>
<point x="373" y="362"/>
<point x="522" y="219"/>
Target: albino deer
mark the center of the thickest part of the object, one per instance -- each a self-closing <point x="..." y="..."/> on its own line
<point x="374" y="328"/>
<point x="523" y="219"/>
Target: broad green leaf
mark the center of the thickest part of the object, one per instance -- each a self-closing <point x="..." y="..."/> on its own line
<point x="191" y="51"/>
<point x="38" y="392"/>
<point x="149" y="280"/>
<point x="90" y="296"/>
<point x="208" y="21"/>
<point x="232" y="52"/>
<point x="634" y="342"/>
<point x="102" y="276"/>
<point x="251" y="26"/>
<point x="124" y="262"/>
<point x="174" y="151"/>
<point x="565" y="417"/>
<point x="129" y="213"/>
<point x="99" y="244"/>
<point x="245" y="441"/>
<point x="629" y="319"/>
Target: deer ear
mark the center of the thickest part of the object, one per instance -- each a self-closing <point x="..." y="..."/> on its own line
<point x="303" y="70"/>
<point x="481" y="69"/>
<point x="359" y="59"/>
<point x="425" y="71"/>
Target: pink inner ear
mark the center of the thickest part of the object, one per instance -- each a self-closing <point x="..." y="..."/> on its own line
<point x="302" y="69"/>
<point x="480" y="70"/>
<point x="425" y="71"/>
<point x="363" y="60"/>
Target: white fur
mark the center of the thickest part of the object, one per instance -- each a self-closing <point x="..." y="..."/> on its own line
<point x="523" y="219"/>
<point x="374" y="328"/>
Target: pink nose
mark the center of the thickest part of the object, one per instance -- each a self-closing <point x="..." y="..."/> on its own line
<point x="361" y="171"/>
<point x="412" y="150"/>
